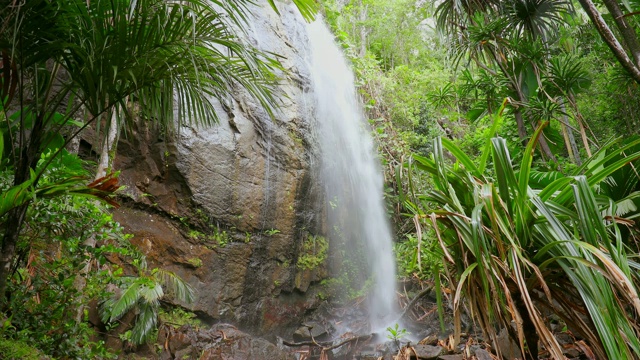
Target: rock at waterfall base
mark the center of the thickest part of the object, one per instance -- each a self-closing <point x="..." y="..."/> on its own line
<point x="428" y="352"/>
<point x="222" y="341"/>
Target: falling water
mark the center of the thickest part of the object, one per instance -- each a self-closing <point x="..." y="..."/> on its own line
<point x="351" y="173"/>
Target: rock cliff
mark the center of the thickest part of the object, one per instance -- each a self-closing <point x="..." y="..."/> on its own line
<point x="232" y="208"/>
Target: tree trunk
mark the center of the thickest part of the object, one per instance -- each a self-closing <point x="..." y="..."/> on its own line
<point x="522" y="130"/>
<point x="583" y="134"/>
<point x="544" y="147"/>
<point x="546" y="150"/>
<point x="567" y="141"/>
<point x="627" y="32"/>
<point x="15" y="217"/>
<point x="107" y="152"/>
<point x="574" y="146"/>
<point x="581" y="126"/>
<point x="609" y="38"/>
<point x="570" y="140"/>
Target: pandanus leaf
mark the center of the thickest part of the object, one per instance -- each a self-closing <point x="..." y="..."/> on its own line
<point x="558" y="237"/>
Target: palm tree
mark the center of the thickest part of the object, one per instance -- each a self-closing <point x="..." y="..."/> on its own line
<point x="65" y="58"/>
<point x="506" y="39"/>
<point x="142" y="294"/>
<point x="535" y="18"/>
<point x="569" y="77"/>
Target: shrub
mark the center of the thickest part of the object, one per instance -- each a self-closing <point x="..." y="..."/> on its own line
<point x="515" y="250"/>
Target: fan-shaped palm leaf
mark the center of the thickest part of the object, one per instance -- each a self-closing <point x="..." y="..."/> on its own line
<point x="115" y="308"/>
<point x="456" y="14"/>
<point x="568" y="74"/>
<point x="535" y="18"/>
<point x="168" y="57"/>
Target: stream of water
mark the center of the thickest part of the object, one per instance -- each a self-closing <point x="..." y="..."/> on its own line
<point x="352" y="177"/>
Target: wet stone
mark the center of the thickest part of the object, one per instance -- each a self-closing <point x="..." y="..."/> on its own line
<point x="427" y="352"/>
<point x="369" y="355"/>
<point x="508" y="348"/>
<point x="452" y="357"/>
<point x="475" y="347"/>
<point x="483" y="354"/>
<point x="312" y="329"/>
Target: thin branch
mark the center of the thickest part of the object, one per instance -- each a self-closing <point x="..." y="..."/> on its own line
<point x="422" y="293"/>
<point x="326" y="345"/>
<point x="356" y="338"/>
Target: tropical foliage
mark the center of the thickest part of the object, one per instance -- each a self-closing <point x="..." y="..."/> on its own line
<point x="521" y="236"/>
<point x="515" y="248"/>
<point x="58" y="274"/>
<point x="67" y="66"/>
<point x="143" y="293"/>
<point x="623" y="43"/>
<point x="514" y="233"/>
<point x="64" y="68"/>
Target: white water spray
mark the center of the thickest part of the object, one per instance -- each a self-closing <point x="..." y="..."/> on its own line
<point x="351" y="174"/>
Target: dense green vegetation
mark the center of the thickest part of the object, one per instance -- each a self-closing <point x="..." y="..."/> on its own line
<point x="456" y="90"/>
<point x="63" y="70"/>
<point x="505" y="128"/>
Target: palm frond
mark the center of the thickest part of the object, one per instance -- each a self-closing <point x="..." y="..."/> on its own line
<point x="115" y="308"/>
<point x="151" y="293"/>
<point x="540" y="179"/>
<point x="146" y="322"/>
<point x="307" y="8"/>
<point x="568" y="73"/>
<point x="180" y="56"/>
<point x="175" y="285"/>
<point x="627" y="205"/>
<point x="536" y="18"/>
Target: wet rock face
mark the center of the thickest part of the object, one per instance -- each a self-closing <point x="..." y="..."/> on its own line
<point x="229" y="207"/>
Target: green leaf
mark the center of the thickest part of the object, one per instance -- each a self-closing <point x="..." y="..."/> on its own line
<point x="16" y="196"/>
<point x="120" y="306"/>
<point x="176" y="285"/>
<point x="497" y="121"/>
<point x="1" y="145"/>
<point x="527" y="159"/>
<point x="146" y="322"/>
<point x="461" y="156"/>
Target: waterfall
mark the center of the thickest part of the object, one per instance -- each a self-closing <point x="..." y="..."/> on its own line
<point x="352" y="175"/>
